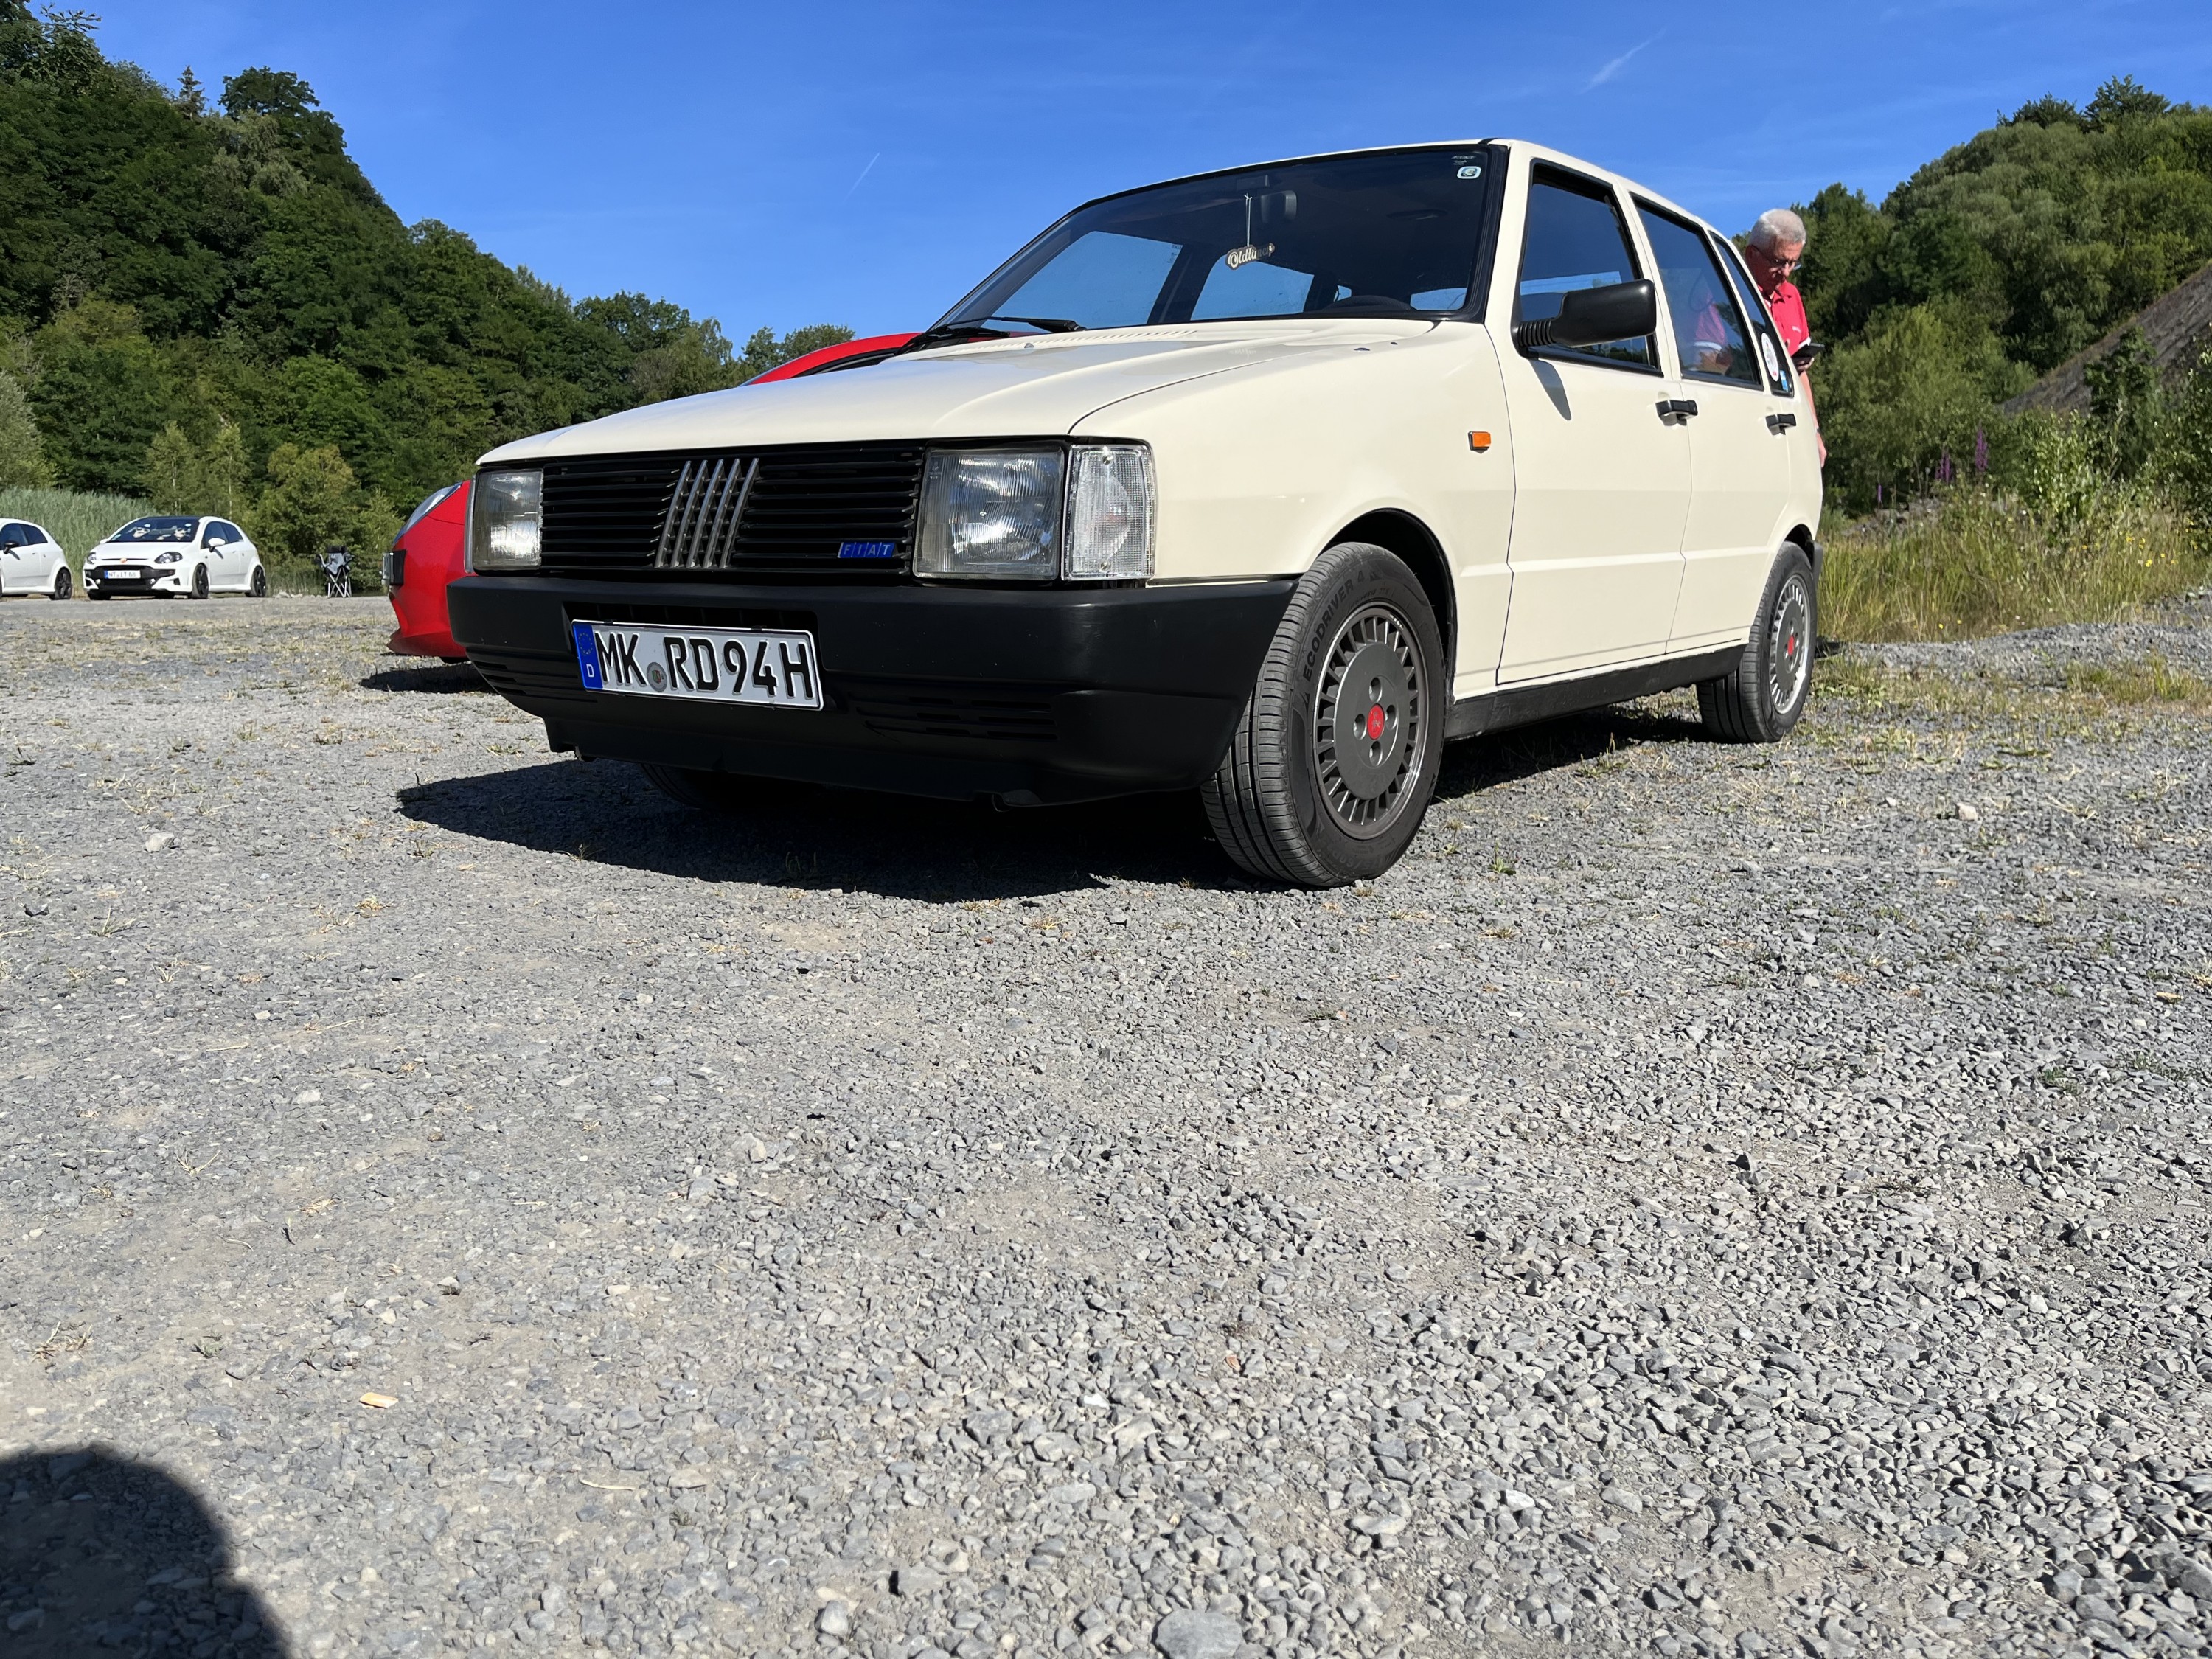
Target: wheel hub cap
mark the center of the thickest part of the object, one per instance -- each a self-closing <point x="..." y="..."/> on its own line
<point x="1367" y="722"/>
<point x="1789" y="647"/>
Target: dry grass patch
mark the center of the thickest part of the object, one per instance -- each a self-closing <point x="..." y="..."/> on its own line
<point x="1973" y="563"/>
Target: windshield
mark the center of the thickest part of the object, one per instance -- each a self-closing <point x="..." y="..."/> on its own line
<point x="1390" y="233"/>
<point x="157" y="529"/>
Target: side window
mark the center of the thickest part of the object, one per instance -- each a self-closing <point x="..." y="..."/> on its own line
<point x="1103" y="277"/>
<point x="1708" y="330"/>
<point x="35" y="537"/>
<point x="11" y="534"/>
<point x="1574" y="240"/>
<point x="1780" y="378"/>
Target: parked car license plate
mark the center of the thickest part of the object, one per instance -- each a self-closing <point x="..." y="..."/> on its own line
<point x="773" y="666"/>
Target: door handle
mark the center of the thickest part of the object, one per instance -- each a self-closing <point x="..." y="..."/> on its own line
<point x="1780" y="423"/>
<point x="1677" y="409"/>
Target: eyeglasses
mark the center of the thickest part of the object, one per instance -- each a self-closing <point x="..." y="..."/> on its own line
<point x="1785" y="266"/>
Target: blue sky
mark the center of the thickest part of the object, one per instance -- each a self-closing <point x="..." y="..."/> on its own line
<point x="863" y="163"/>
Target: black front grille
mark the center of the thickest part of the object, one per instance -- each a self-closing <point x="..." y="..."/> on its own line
<point x="767" y="511"/>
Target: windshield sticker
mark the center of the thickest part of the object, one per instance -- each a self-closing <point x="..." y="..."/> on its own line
<point x="1773" y="357"/>
<point x="1470" y="171"/>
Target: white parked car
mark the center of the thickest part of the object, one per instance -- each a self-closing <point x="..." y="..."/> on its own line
<point x="175" y="556"/>
<point x="31" y="560"/>
<point x="1264" y="483"/>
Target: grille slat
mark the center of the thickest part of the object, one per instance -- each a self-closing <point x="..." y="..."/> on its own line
<point x="771" y="510"/>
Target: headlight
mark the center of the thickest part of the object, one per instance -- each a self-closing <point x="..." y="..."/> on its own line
<point x="505" y="516"/>
<point x="1109" y="512"/>
<point x="170" y="557"/>
<point x="991" y="513"/>
<point x="1084" y="513"/>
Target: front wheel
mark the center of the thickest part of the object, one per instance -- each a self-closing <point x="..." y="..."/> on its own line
<point x="62" y="581"/>
<point x="199" y="581"/>
<point x="704" y="792"/>
<point x="1333" y="761"/>
<point x="1763" y="698"/>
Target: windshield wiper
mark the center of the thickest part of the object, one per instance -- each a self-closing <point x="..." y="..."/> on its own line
<point x="974" y="328"/>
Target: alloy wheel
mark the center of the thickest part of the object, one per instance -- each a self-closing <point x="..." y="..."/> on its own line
<point x="1368" y="710"/>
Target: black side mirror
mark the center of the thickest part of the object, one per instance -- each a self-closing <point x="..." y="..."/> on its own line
<point x="1806" y="354"/>
<point x="1591" y="316"/>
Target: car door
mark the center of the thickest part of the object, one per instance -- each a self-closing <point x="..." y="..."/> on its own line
<point x="1601" y="473"/>
<point x="1739" y="456"/>
<point x="48" y="554"/>
<point x="211" y="553"/>
<point x="241" y="554"/>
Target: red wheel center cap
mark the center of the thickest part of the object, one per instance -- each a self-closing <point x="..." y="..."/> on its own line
<point x="1375" y="722"/>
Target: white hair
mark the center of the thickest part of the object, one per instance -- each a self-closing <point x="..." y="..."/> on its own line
<point x="1777" y="227"/>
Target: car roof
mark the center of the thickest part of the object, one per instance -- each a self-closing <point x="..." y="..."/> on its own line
<point x="1534" y="150"/>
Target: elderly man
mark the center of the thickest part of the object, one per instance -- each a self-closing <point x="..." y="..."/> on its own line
<point x="1777" y="247"/>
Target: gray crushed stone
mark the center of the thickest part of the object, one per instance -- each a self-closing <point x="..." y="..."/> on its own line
<point x="1707" y="1200"/>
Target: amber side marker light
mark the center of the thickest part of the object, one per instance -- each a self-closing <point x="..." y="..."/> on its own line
<point x="1478" y="441"/>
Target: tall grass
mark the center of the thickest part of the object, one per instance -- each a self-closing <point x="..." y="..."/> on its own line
<point x="1971" y="562"/>
<point x="74" y="518"/>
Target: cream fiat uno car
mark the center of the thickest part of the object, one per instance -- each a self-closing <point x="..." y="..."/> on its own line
<point x="1266" y="482"/>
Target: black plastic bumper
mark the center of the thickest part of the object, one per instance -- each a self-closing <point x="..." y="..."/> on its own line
<point x="1052" y="694"/>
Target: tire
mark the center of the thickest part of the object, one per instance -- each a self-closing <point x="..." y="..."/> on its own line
<point x="199" y="581"/>
<point x="703" y="792"/>
<point x="1764" y="696"/>
<point x="259" y="586"/>
<point x="1320" y="787"/>
<point x="63" y="579"/>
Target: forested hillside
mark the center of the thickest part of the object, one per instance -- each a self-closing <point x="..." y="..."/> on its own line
<point x="203" y="299"/>
<point x="1993" y="264"/>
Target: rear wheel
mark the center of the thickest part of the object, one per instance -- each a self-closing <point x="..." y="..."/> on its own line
<point x="1764" y="696"/>
<point x="259" y="586"/>
<point x="63" y="579"/>
<point x="1332" y="766"/>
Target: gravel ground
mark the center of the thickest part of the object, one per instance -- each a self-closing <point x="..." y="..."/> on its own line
<point x="1706" y="1201"/>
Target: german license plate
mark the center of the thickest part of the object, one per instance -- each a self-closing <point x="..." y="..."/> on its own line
<point x="771" y="666"/>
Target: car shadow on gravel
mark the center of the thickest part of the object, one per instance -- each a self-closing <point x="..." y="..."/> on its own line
<point x="426" y="676"/>
<point x="898" y="846"/>
<point x="895" y="845"/>
<point x="1527" y="751"/>
<point x="98" y="1551"/>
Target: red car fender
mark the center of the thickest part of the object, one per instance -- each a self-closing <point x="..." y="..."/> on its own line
<point x="429" y="556"/>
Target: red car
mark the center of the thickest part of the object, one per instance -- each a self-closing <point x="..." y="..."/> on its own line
<point x="428" y="551"/>
<point x="423" y="557"/>
<point x="845" y="354"/>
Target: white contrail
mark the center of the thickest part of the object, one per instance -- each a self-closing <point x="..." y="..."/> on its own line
<point x="865" y="171"/>
<point x="1614" y="68"/>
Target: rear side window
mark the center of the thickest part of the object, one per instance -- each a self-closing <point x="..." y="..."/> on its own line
<point x="1779" y="376"/>
<point x="35" y="537"/>
<point x="1709" y="334"/>
<point x="1574" y="240"/>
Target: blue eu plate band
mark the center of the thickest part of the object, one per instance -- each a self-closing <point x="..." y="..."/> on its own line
<point x="588" y="659"/>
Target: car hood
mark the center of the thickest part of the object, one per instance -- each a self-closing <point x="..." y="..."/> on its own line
<point x="1036" y="386"/>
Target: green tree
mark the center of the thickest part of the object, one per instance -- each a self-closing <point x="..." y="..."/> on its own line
<point x="101" y="396"/>
<point x="23" y="458"/>
<point x="1920" y="383"/>
<point x="171" y="479"/>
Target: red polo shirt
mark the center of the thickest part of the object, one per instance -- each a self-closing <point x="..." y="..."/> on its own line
<point x="1789" y="308"/>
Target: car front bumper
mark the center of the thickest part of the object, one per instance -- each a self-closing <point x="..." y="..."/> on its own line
<point x="1044" y="695"/>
